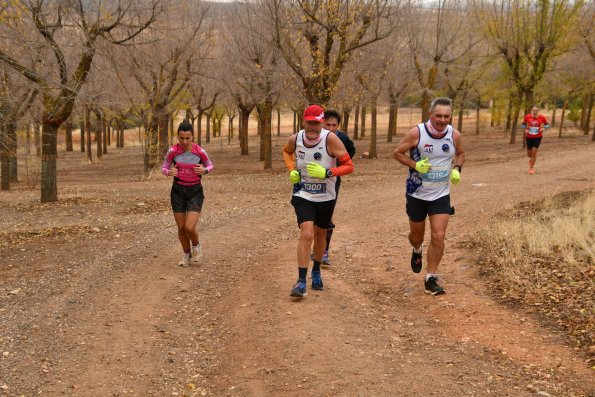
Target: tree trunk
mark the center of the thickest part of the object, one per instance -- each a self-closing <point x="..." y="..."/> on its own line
<point x="584" y="110"/>
<point x="460" y="119"/>
<point x="208" y="134"/>
<point x="229" y="129"/>
<point x="199" y="127"/>
<point x="4" y="162"/>
<point x="553" y="124"/>
<point x="278" y="122"/>
<point x="392" y="120"/>
<point x="345" y="122"/>
<point x="28" y="139"/>
<point x="172" y="133"/>
<point x="163" y="141"/>
<point x="49" y="154"/>
<point x="121" y="127"/>
<point x="82" y="134"/>
<point x="243" y="134"/>
<point x="88" y="134"/>
<point x="477" y="119"/>
<point x="514" y="121"/>
<point x="588" y="117"/>
<point x="425" y="106"/>
<point x="374" y="130"/>
<point x="4" y="166"/>
<point x="104" y="132"/>
<point x="13" y="166"/>
<point x="564" y="107"/>
<point x="99" y="138"/>
<point x="151" y="143"/>
<point x="509" y="114"/>
<point x="109" y="131"/>
<point x="295" y="122"/>
<point x="529" y="97"/>
<point x="259" y="127"/>
<point x="37" y="139"/>
<point x="362" y="129"/>
<point x="265" y="115"/>
<point x="69" y="136"/>
<point x="356" y="123"/>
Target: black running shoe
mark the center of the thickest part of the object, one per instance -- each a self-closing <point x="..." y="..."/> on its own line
<point x="317" y="280"/>
<point x="416" y="264"/>
<point x="299" y="289"/>
<point x="432" y="286"/>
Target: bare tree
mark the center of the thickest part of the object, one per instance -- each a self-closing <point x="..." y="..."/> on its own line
<point x="15" y="101"/>
<point x="318" y="38"/>
<point x="437" y="36"/>
<point x="528" y="37"/>
<point x="73" y="50"/>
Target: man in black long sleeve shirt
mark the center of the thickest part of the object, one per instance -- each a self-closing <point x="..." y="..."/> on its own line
<point x="332" y="121"/>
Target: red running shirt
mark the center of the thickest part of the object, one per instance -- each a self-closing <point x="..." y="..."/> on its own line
<point x="534" y="125"/>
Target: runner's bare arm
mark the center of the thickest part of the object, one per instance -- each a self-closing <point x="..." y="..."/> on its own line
<point x="409" y="141"/>
<point x="338" y="151"/>
<point x="288" y="153"/>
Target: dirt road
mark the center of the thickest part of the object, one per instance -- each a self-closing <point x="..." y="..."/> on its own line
<point x="93" y="304"/>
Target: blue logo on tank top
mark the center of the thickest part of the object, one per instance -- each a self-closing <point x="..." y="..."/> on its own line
<point x="445" y="148"/>
<point x="317" y="156"/>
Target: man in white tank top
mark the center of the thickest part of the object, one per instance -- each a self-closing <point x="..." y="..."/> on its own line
<point x="429" y="150"/>
<point x="311" y="156"/>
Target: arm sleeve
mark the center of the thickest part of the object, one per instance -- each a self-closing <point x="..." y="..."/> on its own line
<point x="206" y="162"/>
<point x="288" y="159"/>
<point x="167" y="162"/>
<point x="345" y="166"/>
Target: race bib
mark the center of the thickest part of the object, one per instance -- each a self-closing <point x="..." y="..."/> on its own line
<point x="314" y="187"/>
<point x="436" y="175"/>
<point x="533" y="130"/>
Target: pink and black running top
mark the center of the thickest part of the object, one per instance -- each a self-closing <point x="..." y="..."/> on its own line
<point x="185" y="163"/>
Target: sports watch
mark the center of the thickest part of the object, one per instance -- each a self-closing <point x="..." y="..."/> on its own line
<point x="329" y="173"/>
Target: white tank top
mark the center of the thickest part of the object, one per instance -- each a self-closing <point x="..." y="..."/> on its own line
<point x="440" y="151"/>
<point x="314" y="189"/>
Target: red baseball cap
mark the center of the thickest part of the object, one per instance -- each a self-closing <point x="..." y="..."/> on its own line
<point x="314" y="113"/>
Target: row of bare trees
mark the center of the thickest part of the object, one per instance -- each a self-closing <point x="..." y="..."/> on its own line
<point x="106" y="65"/>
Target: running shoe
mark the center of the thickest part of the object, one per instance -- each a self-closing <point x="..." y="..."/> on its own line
<point x="317" y="280"/>
<point x="416" y="263"/>
<point x="196" y="253"/>
<point x="432" y="286"/>
<point x="185" y="260"/>
<point x="299" y="289"/>
<point x="325" y="259"/>
<point x="531" y="171"/>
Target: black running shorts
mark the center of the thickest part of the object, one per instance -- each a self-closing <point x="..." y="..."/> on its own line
<point x="320" y="213"/>
<point x="533" y="143"/>
<point x="187" y="198"/>
<point x="417" y="209"/>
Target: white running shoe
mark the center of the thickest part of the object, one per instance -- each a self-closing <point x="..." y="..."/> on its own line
<point x="185" y="260"/>
<point x="196" y="253"/>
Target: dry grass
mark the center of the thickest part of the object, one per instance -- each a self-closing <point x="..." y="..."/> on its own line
<point x="541" y="255"/>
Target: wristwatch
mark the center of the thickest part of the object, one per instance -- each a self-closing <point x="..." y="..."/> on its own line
<point x="459" y="167"/>
<point x="329" y="173"/>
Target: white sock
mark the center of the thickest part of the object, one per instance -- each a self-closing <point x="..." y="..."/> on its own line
<point x="428" y="275"/>
<point x="418" y="250"/>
